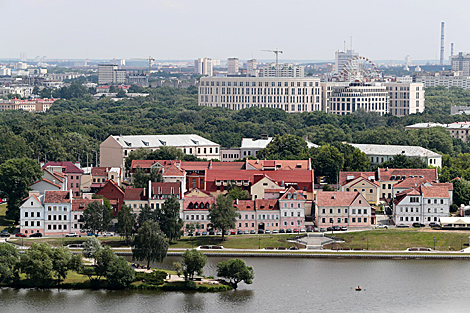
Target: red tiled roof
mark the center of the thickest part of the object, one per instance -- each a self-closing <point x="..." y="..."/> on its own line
<point x="135" y="194"/>
<point x="172" y="170"/>
<point x="336" y="198"/>
<point x="245" y="205"/>
<point x="81" y="204"/>
<point x="142" y="163"/>
<point x="291" y="191"/>
<point x="343" y="176"/>
<point x="434" y="192"/>
<point x="227" y="165"/>
<point x="449" y="186"/>
<point x="196" y="189"/>
<point x="68" y="166"/>
<point x="266" y="204"/>
<point x="165" y="188"/>
<point x="386" y="174"/>
<point x="100" y="171"/>
<point x="410" y="182"/>
<point x="56" y="196"/>
<point x="274" y="190"/>
<point x="280" y="164"/>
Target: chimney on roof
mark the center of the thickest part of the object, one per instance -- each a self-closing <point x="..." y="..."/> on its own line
<point x="236" y="202"/>
<point x="333" y="196"/>
<point x="386" y="169"/>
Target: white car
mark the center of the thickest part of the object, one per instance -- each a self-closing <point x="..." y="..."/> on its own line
<point x="381" y="226"/>
<point x="108" y="235"/>
<point x="71" y="235"/>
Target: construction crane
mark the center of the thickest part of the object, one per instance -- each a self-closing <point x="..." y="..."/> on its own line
<point x="150" y="59"/>
<point x="276" y="52"/>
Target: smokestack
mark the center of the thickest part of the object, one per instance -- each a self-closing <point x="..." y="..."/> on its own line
<point x="451" y="49"/>
<point x="441" y="61"/>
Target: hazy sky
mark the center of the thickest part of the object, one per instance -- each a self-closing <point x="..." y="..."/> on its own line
<point x="187" y="29"/>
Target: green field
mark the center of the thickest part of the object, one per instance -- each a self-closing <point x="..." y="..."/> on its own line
<point x="3" y="221"/>
<point x="401" y="239"/>
<point x="235" y="242"/>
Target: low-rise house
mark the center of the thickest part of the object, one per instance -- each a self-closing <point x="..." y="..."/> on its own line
<point x="292" y="209"/>
<point x="422" y="204"/>
<point x="366" y="186"/>
<point x="73" y="171"/>
<point x="114" y="194"/>
<point x="341" y="208"/>
<point x="389" y="177"/>
<point x="159" y="192"/>
<point x="247" y="221"/>
<point x="136" y="199"/>
<point x="78" y="206"/>
<point x="267" y="211"/>
<point x="32" y="214"/>
<point x="196" y="207"/>
<point x="57" y="212"/>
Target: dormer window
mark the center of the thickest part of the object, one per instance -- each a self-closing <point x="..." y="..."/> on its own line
<point x="294" y="196"/>
<point x="146" y="143"/>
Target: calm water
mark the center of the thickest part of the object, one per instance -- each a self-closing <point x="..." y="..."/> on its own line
<point x="282" y="285"/>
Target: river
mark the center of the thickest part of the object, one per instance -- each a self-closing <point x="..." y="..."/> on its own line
<point x="282" y="285"/>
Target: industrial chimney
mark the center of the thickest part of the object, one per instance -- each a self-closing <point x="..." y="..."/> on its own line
<point x="441" y="61"/>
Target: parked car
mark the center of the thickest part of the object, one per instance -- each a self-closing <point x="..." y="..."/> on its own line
<point x="204" y="233"/>
<point x="309" y="229"/>
<point x="108" y="235"/>
<point x="4" y="233"/>
<point x="302" y="230"/>
<point x="20" y="235"/>
<point x="401" y="225"/>
<point x="418" y="225"/>
<point x="282" y="231"/>
<point x="73" y="235"/>
<point x="434" y="224"/>
<point x="329" y="228"/>
<point x="289" y="231"/>
<point x="296" y="230"/>
<point x="275" y="231"/>
<point x="240" y="232"/>
<point x="36" y="235"/>
<point x="211" y="233"/>
<point x="197" y="234"/>
<point x="218" y="233"/>
<point x="233" y="232"/>
<point x="260" y="231"/>
<point x="344" y="228"/>
<point x="381" y="226"/>
<point x="336" y="228"/>
<point x="267" y="231"/>
<point x="294" y="248"/>
<point x="91" y="234"/>
<point x="252" y="232"/>
<point x="322" y="229"/>
<point x="246" y="232"/>
<point x="316" y="229"/>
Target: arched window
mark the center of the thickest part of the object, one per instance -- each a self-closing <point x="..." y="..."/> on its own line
<point x="196" y="206"/>
<point x="207" y="205"/>
<point x="190" y="206"/>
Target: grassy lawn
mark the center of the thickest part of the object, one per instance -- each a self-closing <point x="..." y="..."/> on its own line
<point x="236" y="242"/>
<point x="3" y="221"/>
<point x="401" y="239"/>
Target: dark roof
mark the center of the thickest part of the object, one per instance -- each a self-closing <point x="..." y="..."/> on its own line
<point x="68" y="166"/>
<point x="55" y="196"/>
<point x="135" y="194"/>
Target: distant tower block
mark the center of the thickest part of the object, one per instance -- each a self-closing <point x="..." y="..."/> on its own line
<point x="441" y="61"/>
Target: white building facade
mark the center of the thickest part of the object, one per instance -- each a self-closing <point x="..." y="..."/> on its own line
<point x="203" y="66"/>
<point x="282" y="70"/>
<point x="405" y="98"/>
<point x="288" y="94"/>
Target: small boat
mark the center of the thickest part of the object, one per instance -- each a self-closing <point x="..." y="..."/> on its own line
<point x="358" y="288"/>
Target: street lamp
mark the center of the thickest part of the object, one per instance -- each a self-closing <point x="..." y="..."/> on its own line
<point x="434" y="243"/>
<point x="461" y="238"/>
<point x="259" y="242"/>
<point x="332" y="226"/>
<point x="367" y="243"/>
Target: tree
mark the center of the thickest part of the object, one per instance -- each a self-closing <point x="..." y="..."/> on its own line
<point x="63" y="261"/>
<point x="222" y="214"/>
<point x="354" y="159"/>
<point x="461" y="194"/>
<point x="285" y="147"/>
<point x="193" y="261"/>
<point x="15" y="177"/>
<point x="91" y="246"/>
<point x="103" y="258"/>
<point x="9" y="257"/>
<point x="327" y="161"/>
<point x="190" y="228"/>
<point x="401" y="161"/>
<point x="121" y="94"/>
<point x="126" y="222"/>
<point x="140" y="178"/>
<point x="145" y="214"/>
<point x="169" y="219"/>
<point x="96" y="217"/>
<point x="36" y="264"/>
<point x="150" y="244"/>
<point x="235" y="192"/>
<point x="236" y="271"/>
<point x="119" y="274"/>
<point x="139" y="154"/>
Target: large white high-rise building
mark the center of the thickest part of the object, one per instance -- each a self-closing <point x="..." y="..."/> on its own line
<point x="232" y="66"/>
<point x="110" y="74"/>
<point x="203" y="66"/>
<point x="342" y="57"/>
<point x="252" y="68"/>
<point x="282" y="70"/>
<point x="287" y="93"/>
<point x="405" y="98"/>
<point x="461" y="63"/>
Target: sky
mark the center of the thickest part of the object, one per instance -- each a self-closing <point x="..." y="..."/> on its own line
<point x="219" y="29"/>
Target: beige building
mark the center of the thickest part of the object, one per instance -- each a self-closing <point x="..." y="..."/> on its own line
<point x="405" y="98"/>
<point x="368" y="188"/>
<point x="286" y="93"/>
<point x="115" y="149"/>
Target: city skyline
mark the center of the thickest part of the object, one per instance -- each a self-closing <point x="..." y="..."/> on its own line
<point x="185" y="30"/>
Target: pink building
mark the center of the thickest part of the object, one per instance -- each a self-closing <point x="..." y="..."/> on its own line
<point x="196" y="205"/>
<point x="292" y="209"/>
<point x="73" y="172"/>
<point x="342" y="208"/>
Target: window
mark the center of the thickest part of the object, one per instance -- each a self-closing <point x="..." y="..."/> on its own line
<point x="26" y="223"/>
<point x="339" y="211"/>
<point x="25" y="214"/>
